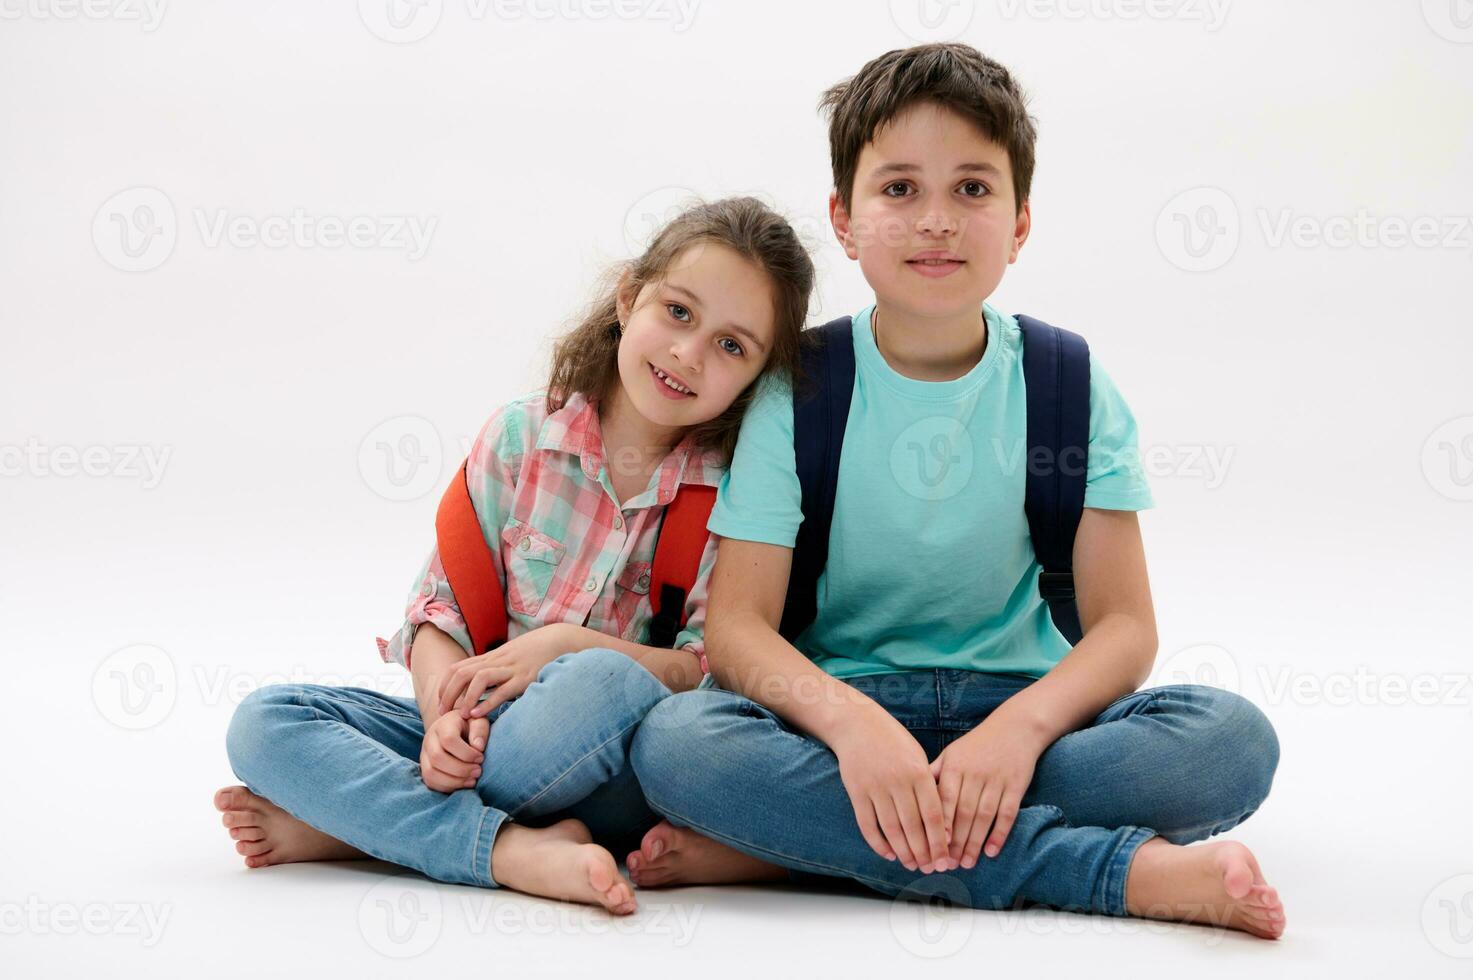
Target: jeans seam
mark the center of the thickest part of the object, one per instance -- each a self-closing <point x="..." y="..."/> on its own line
<point x="379" y="708"/>
<point x="572" y="766"/>
<point x="484" y="842"/>
<point x="1117" y="871"/>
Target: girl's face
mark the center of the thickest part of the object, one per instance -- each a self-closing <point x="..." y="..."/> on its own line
<point x="707" y="327"/>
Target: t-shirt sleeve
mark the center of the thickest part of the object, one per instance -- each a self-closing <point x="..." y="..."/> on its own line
<point x="760" y="498"/>
<point x="1114" y="477"/>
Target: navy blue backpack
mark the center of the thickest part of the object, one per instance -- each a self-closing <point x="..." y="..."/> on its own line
<point x="1056" y="375"/>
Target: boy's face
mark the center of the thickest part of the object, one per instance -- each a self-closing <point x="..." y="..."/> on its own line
<point x="932" y="221"/>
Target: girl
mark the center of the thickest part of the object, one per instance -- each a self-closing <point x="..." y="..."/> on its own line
<point x="570" y="488"/>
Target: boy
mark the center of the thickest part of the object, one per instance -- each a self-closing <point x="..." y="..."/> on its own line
<point x="919" y="721"/>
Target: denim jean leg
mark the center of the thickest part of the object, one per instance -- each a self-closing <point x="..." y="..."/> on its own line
<point x="343" y="760"/>
<point x="568" y="735"/>
<point x="1187" y="760"/>
<point x="729" y="769"/>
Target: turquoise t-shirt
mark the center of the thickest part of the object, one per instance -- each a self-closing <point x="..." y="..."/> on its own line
<point x="930" y="561"/>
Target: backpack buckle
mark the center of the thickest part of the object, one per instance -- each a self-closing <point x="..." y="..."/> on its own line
<point x="1056" y="586"/>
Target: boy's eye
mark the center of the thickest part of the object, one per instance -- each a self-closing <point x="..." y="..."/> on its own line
<point x="889" y="187"/>
<point x="738" y="351"/>
<point x="974" y="188"/>
<point x="676" y="310"/>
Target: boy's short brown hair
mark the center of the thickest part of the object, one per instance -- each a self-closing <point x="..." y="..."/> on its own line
<point x="953" y="75"/>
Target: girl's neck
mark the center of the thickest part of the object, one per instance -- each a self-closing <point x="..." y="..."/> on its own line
<point x="929" y="349"/>
<point x="630" y="437"/>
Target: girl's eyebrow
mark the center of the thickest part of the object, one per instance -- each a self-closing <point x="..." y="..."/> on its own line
<point x="696" y="301"/>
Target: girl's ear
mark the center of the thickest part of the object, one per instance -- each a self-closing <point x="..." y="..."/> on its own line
<point x="624" y="295"/>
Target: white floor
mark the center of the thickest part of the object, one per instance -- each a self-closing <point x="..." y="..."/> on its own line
<point x="114" y="861"/>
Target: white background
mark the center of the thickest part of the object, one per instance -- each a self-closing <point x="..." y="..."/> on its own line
<point x="1319" y="566"/>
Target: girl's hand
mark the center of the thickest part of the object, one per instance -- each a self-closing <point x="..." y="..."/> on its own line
<point x="451" y="754"/>
<point x="510" y="669"/>
<point x="982" y="777"/>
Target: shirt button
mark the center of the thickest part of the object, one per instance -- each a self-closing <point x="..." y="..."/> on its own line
<point x="429" y="588"/>
<point x="618" y="522"/>
<point x="525" y="544"/>
<point x="590" y="585"/>
<point x="644" y="581"/>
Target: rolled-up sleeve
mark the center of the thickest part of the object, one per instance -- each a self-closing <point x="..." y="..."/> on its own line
<point x="491" y="478"/>
<point x="693" y="636"/>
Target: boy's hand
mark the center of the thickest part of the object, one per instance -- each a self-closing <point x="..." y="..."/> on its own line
<point x="510" y="669"/>
<point x="451" y="754"/>
<point x="982" y="777"/>
<point x="893" y="792"/>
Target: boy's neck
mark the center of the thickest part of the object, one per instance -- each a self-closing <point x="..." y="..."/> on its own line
<point x="929" y="349"/>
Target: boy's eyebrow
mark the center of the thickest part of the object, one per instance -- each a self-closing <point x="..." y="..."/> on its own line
<point x="696" y="301"/>
<point x="905" y="168"/>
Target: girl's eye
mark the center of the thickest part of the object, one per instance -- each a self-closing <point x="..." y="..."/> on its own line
<point x="981" y="188"/>
<point x="676" y="310"/>
<point x="733" y="343"/>
<point x="888" y="187"/>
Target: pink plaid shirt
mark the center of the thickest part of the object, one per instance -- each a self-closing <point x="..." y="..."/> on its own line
<point x="564" y="548"/>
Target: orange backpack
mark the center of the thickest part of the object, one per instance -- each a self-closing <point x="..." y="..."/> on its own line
<point x="481" y="596"/>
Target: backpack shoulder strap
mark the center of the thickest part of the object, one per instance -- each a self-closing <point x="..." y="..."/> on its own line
<point x="1056" y="375"/>
<point x="820" y="415"/>
<point x="468" y="565"/>
<point x="677" y="562"/>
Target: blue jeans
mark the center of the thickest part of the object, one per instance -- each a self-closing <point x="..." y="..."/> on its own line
<point x="1183" y="761"/>
<point x="345" y="760"/>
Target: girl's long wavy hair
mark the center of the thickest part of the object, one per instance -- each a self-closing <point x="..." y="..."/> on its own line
<point x="586" y="358"/>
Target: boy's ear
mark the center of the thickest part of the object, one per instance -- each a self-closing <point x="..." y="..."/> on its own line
<point x="843" y="231"/>
<point x="1020" y="230"/>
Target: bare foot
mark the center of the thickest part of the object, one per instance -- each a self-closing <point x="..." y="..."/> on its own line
<point x="560" y="861"/>
<point x="1216" y="884"/>
<point x="267" y="834"/>
<point x="671" y="855"/>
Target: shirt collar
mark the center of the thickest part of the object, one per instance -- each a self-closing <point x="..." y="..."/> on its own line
<point x="574" y="429"/>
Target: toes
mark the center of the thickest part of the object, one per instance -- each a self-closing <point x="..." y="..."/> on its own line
<point x="258" y="860"/>
<point x="658" y="841"/>
<point x="240" y="818"/>
<point x="251" y="848"/>
<point x="248" y="833"/>
<point x="232" y="798"/>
